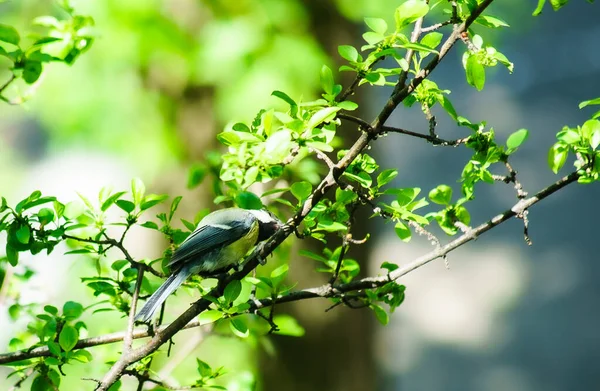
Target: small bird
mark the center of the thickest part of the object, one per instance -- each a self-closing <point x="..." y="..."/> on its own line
<point x="221" y="239"/>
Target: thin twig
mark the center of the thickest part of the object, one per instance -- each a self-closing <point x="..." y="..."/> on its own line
<point x="114" y="243"/>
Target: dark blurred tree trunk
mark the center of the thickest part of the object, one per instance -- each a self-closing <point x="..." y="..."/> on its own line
<point x="336" y="352"/>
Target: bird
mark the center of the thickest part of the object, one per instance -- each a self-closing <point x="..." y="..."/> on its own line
<point x="221" y="239"/>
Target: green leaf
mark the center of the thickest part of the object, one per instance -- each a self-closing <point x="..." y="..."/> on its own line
<point x="491" y="21"/>
<point x="119" y="265"/>
<point x="348" y="52"/>
<point x="82" y="355"/>
<point x="585" y="103"/>
<point x="558" y="4"/>
<point x="42" y="383"/>
<point x="557" y="156"/>
<point x="150" y="225"/>
<point x="539" y="7"/>
<point x="32" y="71"/>
<point x="288" y="325"/>
<point x="301" y="190"/>
<point x="515" y="140"/>
<point x="72" y="310"/>
<point x="204" y="370"/>
<point x="209" y="316"/>
<point x="432" y="39"/>
<point x="589" y="129"/>
<point x="285" y="97"/>
<point x="45" y="216"/>
<point x="278" y="274"/>
<point x="390" y="267"/>
<point x="232" y="291"/>
<point x="380" y="314"/>
<point x="362" y="178"/>
<point x="331" y="226"/>
<point x="73" y="210"/>
<point x="475" y="72"/>
<point x="111" y="200"/>
<point x="196" y="175"/>
<point x="373" y="38"/>
<point x="137" y="190"/>
<point x="239" y="328"/>
<point x="410" y="11"/>
<point x="152" y="200"/>
<point x="127" y="206"/>
<point x="403" y="231"/>
<point x="68" y="337"/>
<point x="324" y="115"/>
<point x="376" y="24"/>
<point x="23" y="234"/>
<point x="386" y="176"/>
<point x="9" y="34"/>
<point x="248" y="200"/>
<point x="327" y="79"/>
<point x="12" y="255"/>
<point x="441" y="195"/>
<point x="406" y="195"/>
<point x="347" y="105"/>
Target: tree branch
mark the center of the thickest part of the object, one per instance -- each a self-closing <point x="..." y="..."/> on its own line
<point x="325" y="290"/>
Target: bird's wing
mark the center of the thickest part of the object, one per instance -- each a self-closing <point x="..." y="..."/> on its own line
<point x="207" y="238"/>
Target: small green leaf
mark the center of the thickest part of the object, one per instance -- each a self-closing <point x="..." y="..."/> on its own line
<point x="279" y="273"/>
<point x="517" y="138"/>
<point x="409" y="11"/>
<point x="82" y="355"/>
<point x="204" y="370"/>
<point x="42" y="383"/>
<point x="73" y="209"/>
<point x="12" y="255"/>
<point x="347" y="105"/>
<point x="119" y="265"/>
<point x="68" y="337"/>
<point x="386" y="176"/>
<point x="232" y="291"/>
<point x="137" y="190"/>
<point x="248" y="200"/>
<point x="585" y="103"/>
<point x="288" y="325"/>
<point x="327" y="79"/>
<point x="475" y="72"/>
<point x="324" y="115"/>
<point x="286" y="98"/>
<point x="111" y="200"/>
<point x="403" y="231"/>
<point x="301" y="190"/>
<point x="127" y="206"/>
<point x="558" y="4"/>
<point x="432" y="39"/>
<point x="32" y="71"/>
<point x="348" y="52"/>
<point x="491" y="21"/>
<point x="539" y="7"/>
<point x="72" y="310"/>
<point x="45" y="216"/>
<point x="380" y="314"/>
<point x="406" y="195"/>
<point x="390" y="267"/>
<point x="152" y="200"/>
<point x="9" y="34"/>
<point x="209" y="316"/>
<point x="376" y="24"/>
<point x="239" y="328"/>
<point x="23" y="234"/>
<point x="557" y="156"/>
<point x="373" y="38"/>
<point x="441" y="195"/>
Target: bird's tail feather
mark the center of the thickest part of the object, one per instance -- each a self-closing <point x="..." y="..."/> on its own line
<point x="161" y="294"/>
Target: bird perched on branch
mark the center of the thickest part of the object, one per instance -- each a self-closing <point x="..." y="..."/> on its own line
<point x="220" y="241"/>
